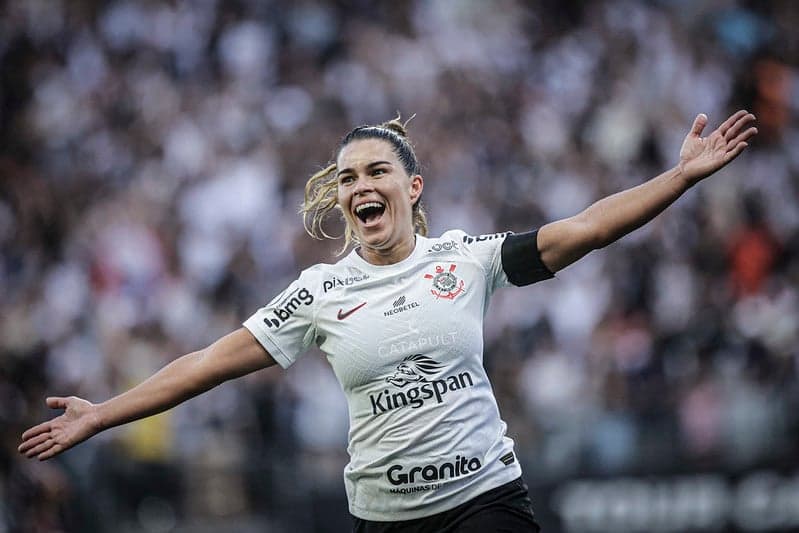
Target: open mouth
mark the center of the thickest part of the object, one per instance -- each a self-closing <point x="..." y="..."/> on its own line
<point x="370" y="212"/>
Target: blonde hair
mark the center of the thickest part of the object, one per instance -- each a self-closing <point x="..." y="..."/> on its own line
<point x="321" y="189"/>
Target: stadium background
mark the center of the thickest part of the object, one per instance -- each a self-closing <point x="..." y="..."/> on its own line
<point x="152" y="159"/>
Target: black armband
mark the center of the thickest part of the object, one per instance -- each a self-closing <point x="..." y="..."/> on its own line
<point x="521" y="259"/>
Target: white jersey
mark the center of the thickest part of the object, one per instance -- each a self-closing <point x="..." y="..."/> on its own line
<point x="406" y="343"/>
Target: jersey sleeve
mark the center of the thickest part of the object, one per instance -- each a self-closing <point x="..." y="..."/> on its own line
<point x="508" y="258"/>
<point x="486" y="250"/>
<point x="286" y="326"/>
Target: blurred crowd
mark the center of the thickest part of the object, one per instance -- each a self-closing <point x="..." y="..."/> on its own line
<point x="152" y="161"/>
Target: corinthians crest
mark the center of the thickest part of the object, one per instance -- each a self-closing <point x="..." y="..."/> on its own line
<point x="445" y="284"/>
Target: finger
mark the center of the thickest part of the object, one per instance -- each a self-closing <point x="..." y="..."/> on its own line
<point x="30" y="443"/>
<point x="699" y="124"/>
<point x="51" y="452"/>
<point x="738" y="126"/>
<point x="43" y="447"/>
<point x="56" y="402"/>
<point x="35" y="430"/>
<point x="732" y="154"/>
<point x="742" y="137"/>
<point x="730" y="121"/>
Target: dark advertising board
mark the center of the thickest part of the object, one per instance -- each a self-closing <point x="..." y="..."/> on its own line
<point x="758" y="500"/>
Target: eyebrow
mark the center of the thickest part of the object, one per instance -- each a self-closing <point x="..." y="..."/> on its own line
<point x="370" y="165"/>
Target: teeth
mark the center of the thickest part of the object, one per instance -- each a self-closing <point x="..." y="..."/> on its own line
<point x="361" y="207"/>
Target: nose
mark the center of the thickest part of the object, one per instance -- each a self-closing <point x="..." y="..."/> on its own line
<point x="362" y="186"/>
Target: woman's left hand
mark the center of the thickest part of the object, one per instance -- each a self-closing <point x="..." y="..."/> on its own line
<point x="702" y="156"/>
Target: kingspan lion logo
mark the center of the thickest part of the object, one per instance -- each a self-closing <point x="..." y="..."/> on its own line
<point x="413" y="369"/>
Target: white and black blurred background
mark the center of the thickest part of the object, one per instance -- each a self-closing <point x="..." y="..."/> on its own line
<point x="152" y="160"/>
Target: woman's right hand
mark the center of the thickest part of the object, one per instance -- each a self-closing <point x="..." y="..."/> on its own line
<point x="78" y="422"/>
<point x="234" y="355"/>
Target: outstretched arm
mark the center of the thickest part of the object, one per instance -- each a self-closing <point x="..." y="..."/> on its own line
<point x="234" y="355"/>
<point x="565" y="241"/>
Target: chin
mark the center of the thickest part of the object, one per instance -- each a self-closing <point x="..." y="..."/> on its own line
<point x="377" y="240"/>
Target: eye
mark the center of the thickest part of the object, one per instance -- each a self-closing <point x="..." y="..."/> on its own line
<point x="346" y="179"/>
<point x="378" y="171"/>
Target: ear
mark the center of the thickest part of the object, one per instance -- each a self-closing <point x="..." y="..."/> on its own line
<point x="417" y="184"/>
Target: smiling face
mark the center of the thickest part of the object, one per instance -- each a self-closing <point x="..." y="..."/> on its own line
<point x="377" y="195"/>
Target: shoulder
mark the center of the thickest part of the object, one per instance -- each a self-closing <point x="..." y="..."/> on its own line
<point x="448" y="241"/>
<point x="497" y="238"/>
<point x="457" y="239"/>
<point x="456" y="244"/>
<point x="313" y="273"/>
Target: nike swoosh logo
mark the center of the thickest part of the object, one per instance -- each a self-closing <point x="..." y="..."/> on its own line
<point x="342" y="315"/>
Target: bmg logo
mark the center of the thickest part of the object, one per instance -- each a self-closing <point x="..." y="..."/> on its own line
<point x="468" y="239"/>
<point x="286" y="308"/>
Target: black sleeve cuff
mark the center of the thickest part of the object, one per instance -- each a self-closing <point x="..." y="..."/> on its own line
<point x="521" y="260"/>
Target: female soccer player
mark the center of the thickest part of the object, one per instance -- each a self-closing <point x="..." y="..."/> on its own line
<point x="401" y="319"/>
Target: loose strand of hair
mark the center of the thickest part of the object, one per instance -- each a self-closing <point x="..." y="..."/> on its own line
<point x="398" y="126"/>
<point x="319" y="200"/>
<point x="420" y="221"/>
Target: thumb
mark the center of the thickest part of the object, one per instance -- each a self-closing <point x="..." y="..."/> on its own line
<point x="55" y="402"/>
<point x="699" y="124"/>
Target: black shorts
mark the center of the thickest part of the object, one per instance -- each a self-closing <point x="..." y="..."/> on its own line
<point x="505" y="509"/>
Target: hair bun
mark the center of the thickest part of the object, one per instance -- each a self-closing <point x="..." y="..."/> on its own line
<point x="398" y="126"/>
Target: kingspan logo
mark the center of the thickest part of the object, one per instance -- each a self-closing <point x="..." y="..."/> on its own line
<point x="432" y="472"/>
<point x="285" y="308"/>
<point x="417" y="370"/>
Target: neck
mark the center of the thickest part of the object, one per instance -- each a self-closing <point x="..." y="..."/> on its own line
<point x="390" y="255"/>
